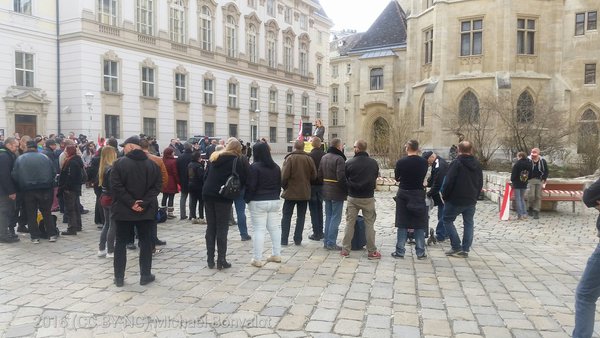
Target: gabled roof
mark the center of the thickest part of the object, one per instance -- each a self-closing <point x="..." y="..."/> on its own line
<point x="388" y="30"/>
<point x="344" y="44"/>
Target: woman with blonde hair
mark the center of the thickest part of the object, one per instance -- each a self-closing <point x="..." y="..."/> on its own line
<point x="106" y="248"/>
<point x="220" y="167"/>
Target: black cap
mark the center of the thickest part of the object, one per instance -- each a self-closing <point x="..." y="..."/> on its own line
<point x="427" y="154"/>
<point x="132" y="139"/>
<point x="31" y="144"/>
<point x="50" y="143"/>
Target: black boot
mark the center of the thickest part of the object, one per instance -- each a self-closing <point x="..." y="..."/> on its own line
<point x="222" y="264"/>
<point x="211" y="262"/>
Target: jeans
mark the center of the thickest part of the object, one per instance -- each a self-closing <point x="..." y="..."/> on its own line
<point x="333" y="217"/>
<point x="72" y="211"/>
<point x="109" y="232"/>
<point x="286" y="220"/>
<point x="240" y="212"/>
<point x="535" y="194"/>
<point x="450" y="213"/>
<point x="440" y="229"/>
<point x="265" y="215"/>
<point x="367" y="205"/>
<point x="315" y="205"/>
<point x="124" y="229"/>
<point x="419" y="241"/>
<point x="42" y="200"/>
<point x="196" y="199"/>
<point x="7" y="212"/>
<point x="586" y="296"/>
<point x="520" y="201"/>
<point x="217" y="227"/>
<point x="182" y="203"/>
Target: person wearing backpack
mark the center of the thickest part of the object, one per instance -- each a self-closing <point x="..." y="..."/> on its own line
<point x="518" y="178"/>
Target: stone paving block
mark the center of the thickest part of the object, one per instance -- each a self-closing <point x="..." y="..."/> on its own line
<point x="378" y="321"/>
<point x="550" y="334"/>
<point x="460" y="313"/>
<point x="496" y="332"/>
<point x="402" y="331"/>
<point x="463" y="326"/>
<point x="490" y="320"/>
<point x="544" y="323"/>
<point x="348" y="327"/>
<point x="328" y="315"/>
<point x="21" y="330"/>
<point x="292" y="322"/>
<point x="436" y="327"/>
<point x="351" y="314"/>
<point x="319" y="326"/>
<point x="518" y="333"/>
<point x="518" y="324"/>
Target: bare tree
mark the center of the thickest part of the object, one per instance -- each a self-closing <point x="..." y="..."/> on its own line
<point x="389" y="138"/>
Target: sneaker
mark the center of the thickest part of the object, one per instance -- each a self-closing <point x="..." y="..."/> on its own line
<point x="35" y="241"/>
<point x="315" y="237"/>
<point x="131" y="246"/>
<point x="432" y="239"/>
<point x="460" y="254"/>
<point x="110" y="255"/>
<point x="68" y="233"/>
<point x="452" y="252"/>
<point x="101" y="253"/>
<point x="183" y="218"/>
<point x="397" y="255"/>
<point x="195" y="221"/>
<point x="52" y="239"/>
<point x="274" y="259"/>
<point x="256" y="263"/>
<point x="411" y="241"/>
<point x="344" y="253"/>
<point x="246" y="238"/>
<point x="374" y="255"/>
<point x="201" y="220"/>
<point x="422" y="257"/>
<point x="334" y="247"/>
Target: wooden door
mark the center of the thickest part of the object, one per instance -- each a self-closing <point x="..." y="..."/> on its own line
<point x="26" y="125"/>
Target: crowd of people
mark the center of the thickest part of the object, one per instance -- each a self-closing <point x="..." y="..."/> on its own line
<point x="42" y="175"/>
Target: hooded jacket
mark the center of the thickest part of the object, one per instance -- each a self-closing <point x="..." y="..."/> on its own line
<point x="33" y="171"/>
<point x="296" y="175"/>
<point x="438" y="173"/>
<point x="515" y="175"/>
<point x="134" y="177"/>
<point x="332" y="172"/>
<point x="7" y="161"/>
<point x="463" y="182"/>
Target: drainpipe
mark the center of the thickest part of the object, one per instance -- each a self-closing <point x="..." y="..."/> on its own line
<point x="58" y="107"/>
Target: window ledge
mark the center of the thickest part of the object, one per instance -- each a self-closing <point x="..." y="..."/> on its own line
<point x="181" y="102"/>
<point x="112" y="93"/>
<point x="376" y="91"/>
<point x="589" y="85"/>
<point x="209" y="105"/>
<point x="152" y="98"/>
<point x="233" y="108"/>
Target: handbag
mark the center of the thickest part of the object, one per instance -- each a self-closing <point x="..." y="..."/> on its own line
<point x="233" y="187"/>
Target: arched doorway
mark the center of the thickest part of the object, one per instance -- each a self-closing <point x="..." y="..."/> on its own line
<point x="381" y="136"/>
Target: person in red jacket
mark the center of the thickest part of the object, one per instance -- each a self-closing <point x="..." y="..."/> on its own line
<point x="172" y="187"/>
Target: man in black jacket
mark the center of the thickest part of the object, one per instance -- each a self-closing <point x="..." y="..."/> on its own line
<point x="460" y="190"/>
<point x="361" y="179"/>
<point x="34" y="174"/>
<point x="588" y="289"/>
<point x="136" y="182"/>
<point x="8" y="191"/>
<point x="182" y="171"/>
<point x="315" y="205"/>
<point x="439" y="167"/>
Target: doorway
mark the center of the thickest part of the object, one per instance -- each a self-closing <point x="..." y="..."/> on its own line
<point x="26" y="125"/>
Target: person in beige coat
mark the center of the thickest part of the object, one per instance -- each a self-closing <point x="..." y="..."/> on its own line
<point x="296" y="175"/>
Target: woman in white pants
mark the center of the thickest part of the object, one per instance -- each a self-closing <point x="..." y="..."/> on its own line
<point x="263" y="188"/>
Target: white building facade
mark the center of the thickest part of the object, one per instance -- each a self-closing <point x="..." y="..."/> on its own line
<point x="168" y="68"/>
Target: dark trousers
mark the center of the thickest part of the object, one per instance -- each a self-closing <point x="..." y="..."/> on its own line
<point x="124" y="228"/>
<point x="217" y="227"/>
<point x="167" y="199"/>
<point x="7" y="214"/>
<point x="20" y="217"/>
<point x="315" y="205"/>
<point x="39" y="200"/>
<point x="182" y="204"/>
<point x="196" y="199"/>
<point x="286" y="220"/>
<point x="98" y="211"/>
<point x="72" y="210"/>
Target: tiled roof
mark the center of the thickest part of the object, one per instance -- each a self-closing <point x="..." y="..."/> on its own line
<point x="344" y="44"/>
<point x="388" y="30"/>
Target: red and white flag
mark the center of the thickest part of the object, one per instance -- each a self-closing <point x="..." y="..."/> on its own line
<point x="300" y="137"/>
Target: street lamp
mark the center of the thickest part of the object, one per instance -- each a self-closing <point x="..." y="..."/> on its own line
<point x="89" y="99"/>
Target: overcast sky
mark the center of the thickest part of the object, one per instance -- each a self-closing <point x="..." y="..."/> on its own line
<point x="353" y="14"/>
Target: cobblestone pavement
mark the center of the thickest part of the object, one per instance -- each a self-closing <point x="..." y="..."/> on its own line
<point x="517" y="282"/>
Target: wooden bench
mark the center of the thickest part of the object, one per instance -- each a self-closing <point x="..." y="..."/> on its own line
<point x="563" y="192"/>
<point x="557" y="192"/>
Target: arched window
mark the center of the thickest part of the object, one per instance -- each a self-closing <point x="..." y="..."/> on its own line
<point x="468" y="110"/>
<point x="588" y="132"/>
<point x="271" y="49"/>
<point x="206" y="27"/>
<point x="252" y="52"/>
<point x="231" y="41"/>
<point x="376" y="79"/>
<point x="525" y="110"/>
<point x="303" y="59"/>
<point x="288" y="59"/>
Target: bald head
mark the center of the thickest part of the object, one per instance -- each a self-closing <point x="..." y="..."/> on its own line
<point x="299" y="145"/>
<point x="465" y="148"/>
